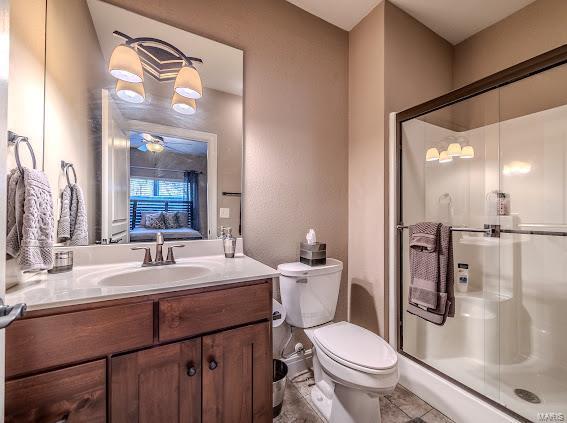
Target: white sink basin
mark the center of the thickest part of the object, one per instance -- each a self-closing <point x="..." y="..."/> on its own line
<point x="156" y="275"/>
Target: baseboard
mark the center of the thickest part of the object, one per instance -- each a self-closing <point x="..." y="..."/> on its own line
<point x="458" y="404"/>
<point x="298" y="363"/>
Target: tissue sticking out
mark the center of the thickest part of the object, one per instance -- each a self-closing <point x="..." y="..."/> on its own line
<point x="311" y="237"/>
<point x="311" y="252"/>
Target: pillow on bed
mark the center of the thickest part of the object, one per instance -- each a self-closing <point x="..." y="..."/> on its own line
<point x="155" y="221"/>
<point x="170" y="220"/>
<point x="182" y="219"/>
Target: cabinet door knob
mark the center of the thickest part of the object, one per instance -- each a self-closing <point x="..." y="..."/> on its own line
<point x="191" y="370"/>
<point x="213" y="364"/>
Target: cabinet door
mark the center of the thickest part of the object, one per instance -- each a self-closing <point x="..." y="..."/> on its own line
<point x="74" y="394"/>
<point x="160" y="384"/>
<point x="237" y="382"/>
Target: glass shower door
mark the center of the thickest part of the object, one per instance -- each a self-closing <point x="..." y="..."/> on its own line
<point x="533" y="175"/>
<point x="450" y="174"/>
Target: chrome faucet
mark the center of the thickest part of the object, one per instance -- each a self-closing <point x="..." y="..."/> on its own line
<point x="159" y="261"/>
<point x="159" y="246"/>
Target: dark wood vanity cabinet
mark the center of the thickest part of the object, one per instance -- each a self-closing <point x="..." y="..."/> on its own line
<point x="161" y="384"/>
<point x="203" y="355"/>
<point x="224" y="377"/>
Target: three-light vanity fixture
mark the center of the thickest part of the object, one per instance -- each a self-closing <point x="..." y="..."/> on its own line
<point x="128" y="68"/>
<point x="453" y="150"/>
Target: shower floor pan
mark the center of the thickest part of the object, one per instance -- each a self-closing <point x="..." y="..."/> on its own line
<point x="499" y="382"/>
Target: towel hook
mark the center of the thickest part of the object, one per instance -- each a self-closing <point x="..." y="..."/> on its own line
<point x="15" y="140"/>
<point x="65" y="166"/>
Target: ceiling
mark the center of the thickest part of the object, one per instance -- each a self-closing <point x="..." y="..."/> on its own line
<point x="222" y="67"/>
<point x="344" y="14"/>
<point x="454" y="20"/>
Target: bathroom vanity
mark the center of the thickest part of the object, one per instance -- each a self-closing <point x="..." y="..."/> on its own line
<point x="180" y="351"/>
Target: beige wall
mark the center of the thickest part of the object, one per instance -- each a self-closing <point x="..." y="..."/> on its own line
<point x="535" y="29"/>
<point x="295" y="119"/>
<point x="366" y="172"/>
<point x="395" y="62"/>
<point x="25" y="92"/>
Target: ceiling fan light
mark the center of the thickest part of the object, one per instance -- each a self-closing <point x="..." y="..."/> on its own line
<point x="130" y="91"/>
<point x="125" y="64"/>
<point x="188" y="83"/>
<point x="155" y="147"/>
<point x="183" y="105"/>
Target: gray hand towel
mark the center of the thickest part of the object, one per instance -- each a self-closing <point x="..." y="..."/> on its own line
<point x="72" y="226"/>
<point x="426" y="266"/>
<point x="30" y="220"/>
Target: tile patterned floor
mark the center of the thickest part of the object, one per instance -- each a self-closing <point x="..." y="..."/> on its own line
<point x="401" y="406"/>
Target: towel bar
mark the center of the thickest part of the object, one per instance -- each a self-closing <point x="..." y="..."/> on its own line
<point x="494" y="231"/>
<point x="16" y="139"/>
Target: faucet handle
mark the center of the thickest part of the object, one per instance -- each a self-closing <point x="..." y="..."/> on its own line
<point x="147" y="256"/>
<point x="170" y="259"/>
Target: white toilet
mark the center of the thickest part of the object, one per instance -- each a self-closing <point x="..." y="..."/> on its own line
<point x="352" y="365"/>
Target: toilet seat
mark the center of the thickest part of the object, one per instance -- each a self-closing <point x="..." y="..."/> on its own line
<point x="355" y="347"/>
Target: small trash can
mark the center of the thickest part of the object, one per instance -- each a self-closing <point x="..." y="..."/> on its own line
<point x="278" y="386"/>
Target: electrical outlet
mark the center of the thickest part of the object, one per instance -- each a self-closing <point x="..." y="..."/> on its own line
<point x="224" y="212"/>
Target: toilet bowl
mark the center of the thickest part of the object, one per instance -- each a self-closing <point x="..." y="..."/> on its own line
<point x="352" y="365"/>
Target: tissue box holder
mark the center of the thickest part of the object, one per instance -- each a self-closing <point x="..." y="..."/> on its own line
<point x="313" y="255"/>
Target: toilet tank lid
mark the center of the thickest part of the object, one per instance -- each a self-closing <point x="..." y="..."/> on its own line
<point x="302" y="269"/>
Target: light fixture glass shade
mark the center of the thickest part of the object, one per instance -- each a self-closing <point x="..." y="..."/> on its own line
<point x="432" y="155"/>
<point x="183" y="105"/>
<point x="125" y="64"/>
<point x="130" y="91"/>
<point x="188" y="83"/>
<point x="155" y="147"/>
<point x="444" y="157"/>
<point x="467" y="152"/>
<point x="454" y="149"/>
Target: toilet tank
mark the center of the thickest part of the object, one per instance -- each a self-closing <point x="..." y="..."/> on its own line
<point x="310" y="293"/>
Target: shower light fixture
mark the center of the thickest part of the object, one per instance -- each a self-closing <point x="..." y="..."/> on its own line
<point x="444" y="157"/>
<point x="467" y="152"/>
<point x="454" y="149"/>
<point x="432" y="155"/>
<point x="125" y="65"/>
<point x="130" y="91"/>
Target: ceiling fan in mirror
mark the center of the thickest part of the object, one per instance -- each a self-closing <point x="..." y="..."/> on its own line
<point x="156" y="144"/>
<point x="162" y="61"/>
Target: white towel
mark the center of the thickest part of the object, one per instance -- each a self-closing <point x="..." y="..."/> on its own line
<point x="29" y="236"/>
<point x="72" y="226"/>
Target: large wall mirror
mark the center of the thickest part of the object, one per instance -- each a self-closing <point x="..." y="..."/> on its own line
<point x="141" y="119"/>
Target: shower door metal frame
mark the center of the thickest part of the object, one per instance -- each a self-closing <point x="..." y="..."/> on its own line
<point x="533" y="66"/>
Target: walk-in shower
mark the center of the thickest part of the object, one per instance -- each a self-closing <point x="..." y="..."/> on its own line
<point x="491" y="160"/>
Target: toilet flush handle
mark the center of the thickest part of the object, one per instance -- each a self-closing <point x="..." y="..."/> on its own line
<point x="301" y="280"/>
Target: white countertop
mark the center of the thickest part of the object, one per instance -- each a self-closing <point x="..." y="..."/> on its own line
<point x="83" y="284"/>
